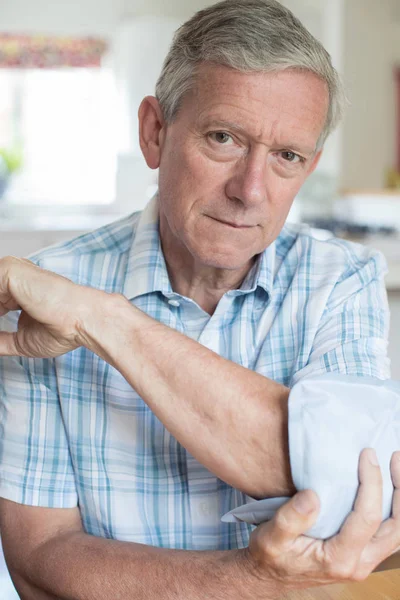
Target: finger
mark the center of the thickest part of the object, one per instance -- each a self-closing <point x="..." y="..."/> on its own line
<point x="293" y="519"/>
<point x="8" y="345"/>
<point x="7" y="300"/>
<point x="7" y="304"/>
<point x="387" y="539"/>
<point x="365" y="519"/>
<point x="395" y="473"/>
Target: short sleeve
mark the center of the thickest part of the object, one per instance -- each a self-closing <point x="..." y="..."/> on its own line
<point x="35" y="463"/>
<point x="352" y="336"/>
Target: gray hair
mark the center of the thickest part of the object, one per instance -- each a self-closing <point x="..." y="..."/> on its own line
<point x="249" y="36"/>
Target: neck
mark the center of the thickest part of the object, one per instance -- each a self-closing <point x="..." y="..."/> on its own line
<point x="202" y="283"/>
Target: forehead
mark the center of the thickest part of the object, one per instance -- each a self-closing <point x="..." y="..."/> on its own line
<point x="265" y="105"/>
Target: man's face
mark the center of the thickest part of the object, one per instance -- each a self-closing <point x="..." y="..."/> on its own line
<point x="234" y="159"/>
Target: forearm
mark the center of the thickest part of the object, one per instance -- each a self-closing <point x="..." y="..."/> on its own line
<point x="234" y="421"/>
<point x="77" y="566"/>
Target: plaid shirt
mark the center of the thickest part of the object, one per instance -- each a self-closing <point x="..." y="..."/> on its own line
<point x="73" y="432"/>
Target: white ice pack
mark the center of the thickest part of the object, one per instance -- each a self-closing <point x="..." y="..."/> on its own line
<point x="332" y="418"/>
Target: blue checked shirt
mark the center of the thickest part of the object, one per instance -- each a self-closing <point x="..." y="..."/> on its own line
<point x="73" y="432"/>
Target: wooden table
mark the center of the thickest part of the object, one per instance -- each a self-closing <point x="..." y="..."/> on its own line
<point x="379" y="586"/>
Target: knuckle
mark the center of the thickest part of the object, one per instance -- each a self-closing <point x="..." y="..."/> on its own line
<point x="271" y="553"/>
<point x="7" y="261"/>
<point x="265" y="548"/>
<point x="361" y="575"/>
<point x="371" y="520"/>
<point x="281" y="520"/>
<point x="341" y="571"/>
<point x="284" y="523"/>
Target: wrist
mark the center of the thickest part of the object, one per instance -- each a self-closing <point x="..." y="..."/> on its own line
<point x="100" y="318"/>
<point x="256" y="581"/>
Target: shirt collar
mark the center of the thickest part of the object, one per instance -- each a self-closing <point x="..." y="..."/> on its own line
<point x="262" y="272"/>
<point x="147" y="272"/>
<point x="146" y="269"/>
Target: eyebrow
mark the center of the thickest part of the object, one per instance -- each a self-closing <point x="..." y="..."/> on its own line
<point x="222" y="123"/>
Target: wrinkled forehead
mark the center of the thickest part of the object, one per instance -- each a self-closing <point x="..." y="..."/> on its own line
<point x="295" y="101"/>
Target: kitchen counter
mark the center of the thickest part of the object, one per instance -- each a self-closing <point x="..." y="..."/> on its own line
<point x="379" y="586"/>
<point x="52" y="222"/>
<point x="24" y="235"/>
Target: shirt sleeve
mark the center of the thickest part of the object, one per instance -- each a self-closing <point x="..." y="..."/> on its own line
<point x="352" y="336"/>
<point x="35" y="463"/>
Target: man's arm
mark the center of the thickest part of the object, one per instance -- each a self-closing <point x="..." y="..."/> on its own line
<point x="232" y="420"/>
<point x="51" y="558"/>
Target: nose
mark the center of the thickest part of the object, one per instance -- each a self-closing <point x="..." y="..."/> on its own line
<point x="249" y="183"/>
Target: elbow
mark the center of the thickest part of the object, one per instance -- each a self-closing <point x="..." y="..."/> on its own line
<point x="24" y="589"/>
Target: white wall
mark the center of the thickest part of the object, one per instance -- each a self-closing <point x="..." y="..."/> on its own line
<point x="140" y="46"/>
<point x="81" y="17"/>
<point x="170" y="8"/>
<point x="371" y="42"/>
<point x="75" y="17"/>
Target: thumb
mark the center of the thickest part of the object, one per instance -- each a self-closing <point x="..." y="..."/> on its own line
<point x="293" y="519"/>
<point x="8" y="344"/>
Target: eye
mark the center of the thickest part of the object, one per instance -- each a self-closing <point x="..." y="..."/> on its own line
<point x="221" y="137"/>
<point x="291" y="157"/>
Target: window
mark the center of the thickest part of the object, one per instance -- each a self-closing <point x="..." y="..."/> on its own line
<point x="62" y="121"/>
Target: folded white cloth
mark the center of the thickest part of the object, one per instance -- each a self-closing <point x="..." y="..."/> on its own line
<point x="331" y="419"/>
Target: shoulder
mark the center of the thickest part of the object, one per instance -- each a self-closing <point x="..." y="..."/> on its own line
<point x="324" y="256"/>
<point x="84" y="259"/>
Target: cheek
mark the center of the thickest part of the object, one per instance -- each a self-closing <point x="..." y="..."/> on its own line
<point x="205" y="173"/>
<point x="184" y="185"/>
<point x="283" y="192"/>
<point x="194" y="157"/>
<point x="188" y="176"/>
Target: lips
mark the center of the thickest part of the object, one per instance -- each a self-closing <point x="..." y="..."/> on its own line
<point x="232" y="224"/>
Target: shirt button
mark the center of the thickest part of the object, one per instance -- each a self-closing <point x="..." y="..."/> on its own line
<point x="205" y="509"/>
<point x="174" y="303"/>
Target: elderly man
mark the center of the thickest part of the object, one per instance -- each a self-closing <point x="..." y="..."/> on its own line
<point x="149" y="395"/>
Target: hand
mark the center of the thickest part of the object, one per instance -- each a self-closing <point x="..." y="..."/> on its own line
<point x="282" y="559"/>
<point x="52" y="310"/>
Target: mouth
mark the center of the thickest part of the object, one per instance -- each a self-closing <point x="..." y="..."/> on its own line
<point x="233" y="224"/>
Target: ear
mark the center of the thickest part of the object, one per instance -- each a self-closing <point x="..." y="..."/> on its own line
<point x="151" y="131"/>
<point x="314" y="162"/>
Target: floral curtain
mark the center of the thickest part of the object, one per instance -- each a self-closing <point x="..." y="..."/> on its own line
<point x="46" y="52"/>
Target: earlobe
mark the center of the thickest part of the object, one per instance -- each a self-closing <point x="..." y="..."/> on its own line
<point x="151" y="124"/>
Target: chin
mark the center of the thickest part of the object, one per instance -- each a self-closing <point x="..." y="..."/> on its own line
<point x="223" y="258"/>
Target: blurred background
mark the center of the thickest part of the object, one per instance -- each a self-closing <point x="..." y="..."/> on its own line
<point x="72" y="75"/>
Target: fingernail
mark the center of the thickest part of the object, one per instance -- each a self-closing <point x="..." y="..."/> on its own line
<point x="373" y="459"/>
<point x="396" y="456"/>
<point x="302" y="504"/>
